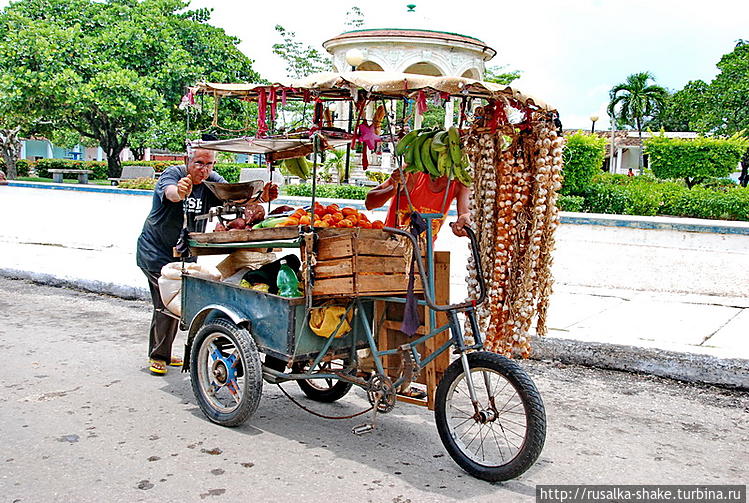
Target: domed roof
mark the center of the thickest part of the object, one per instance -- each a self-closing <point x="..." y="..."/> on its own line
<point x="362" y="35"/>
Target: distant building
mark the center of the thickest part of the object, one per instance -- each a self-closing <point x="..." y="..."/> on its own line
<point x="627" y="147"/>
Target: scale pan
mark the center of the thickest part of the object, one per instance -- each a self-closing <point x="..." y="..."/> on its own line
<point x="240" y="192"/>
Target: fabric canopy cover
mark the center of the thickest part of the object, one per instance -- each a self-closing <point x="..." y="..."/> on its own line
<point x="252" y="145"/>
<point x="341" y="86"/>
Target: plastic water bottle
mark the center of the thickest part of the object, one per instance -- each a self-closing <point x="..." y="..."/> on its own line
<point x="287" y="282"/>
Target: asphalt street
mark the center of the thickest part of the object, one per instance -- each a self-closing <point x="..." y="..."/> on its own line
<point x="81" y="420"/>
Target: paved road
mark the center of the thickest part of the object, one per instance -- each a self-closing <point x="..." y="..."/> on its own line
<point x="81" y="420"/>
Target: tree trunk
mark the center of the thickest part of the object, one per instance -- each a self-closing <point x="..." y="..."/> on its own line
<point x="114" y="166"/>
<point x="138" y="152"/>
<point x="10" y="148"/>
<point x="642" y="148"/>
<point x="744" y="177"/>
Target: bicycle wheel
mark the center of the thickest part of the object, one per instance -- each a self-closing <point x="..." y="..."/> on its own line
<point x="323" y="390"/>
<point x="503" y="436"/>
<point x="226" y="372"/>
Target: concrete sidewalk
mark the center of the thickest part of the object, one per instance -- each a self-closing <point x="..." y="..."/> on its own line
<point x="87" y="241"/>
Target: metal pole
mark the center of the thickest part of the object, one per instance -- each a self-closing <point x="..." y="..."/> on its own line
<point x="593" y="128"/>
<point x="348" y="145"/>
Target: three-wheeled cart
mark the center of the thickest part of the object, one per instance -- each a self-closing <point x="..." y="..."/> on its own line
<point x="488" y="412"/>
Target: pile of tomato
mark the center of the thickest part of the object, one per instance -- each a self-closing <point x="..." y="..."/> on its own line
<point x="333" y="216"/>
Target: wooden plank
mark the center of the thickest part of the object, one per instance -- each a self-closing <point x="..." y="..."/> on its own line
<point x="413" y="401"/>
<point x="246" y="235"/>
<point x="436" y="369"/>
<point x="333" y="248"/>
<point x="334" y="268"/>
<point x="396" y="325"/>
<point x="334" y="286"/>
<point x="378" y="283"/>
<point x="384" y="247"/>
<point x="385" y="265"/>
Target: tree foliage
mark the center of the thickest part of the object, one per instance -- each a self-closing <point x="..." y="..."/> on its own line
<point x="683" y="110"/>
<point x="499" y="75"/>
<point x="635" y="100"/>
<point x="111" y="71"/>
<point x="695" y="160"/>
<point x="583" y="158"/>
<point x="301" y="59"/>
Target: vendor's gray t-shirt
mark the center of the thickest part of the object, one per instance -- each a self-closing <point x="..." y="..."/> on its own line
<point x="162" y="227"/>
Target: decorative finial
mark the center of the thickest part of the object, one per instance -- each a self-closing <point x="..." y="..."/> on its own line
<point x="411" y="7"/>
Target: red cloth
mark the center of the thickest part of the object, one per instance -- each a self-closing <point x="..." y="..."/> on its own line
<point x="424" y="201"/>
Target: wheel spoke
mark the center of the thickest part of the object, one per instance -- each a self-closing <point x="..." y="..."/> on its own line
<point x="496" y="441"/>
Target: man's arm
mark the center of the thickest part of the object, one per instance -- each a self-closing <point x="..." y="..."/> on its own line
<point x="178" y="192"/>
<point x="377" y="197"/>
<point x="462" y="198"/>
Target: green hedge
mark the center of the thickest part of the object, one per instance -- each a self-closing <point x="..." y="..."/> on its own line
<point x="570" y="203"/>
<point x="324" y="190"/>
<point x="642" y="195"/>
<point x="694" y="160"/>
<point x="43" y="166"/>
<point x="583" y="158"/>
<point x="22" y="167"/>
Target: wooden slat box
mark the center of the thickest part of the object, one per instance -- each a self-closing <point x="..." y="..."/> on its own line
<point x="355" y="262"/>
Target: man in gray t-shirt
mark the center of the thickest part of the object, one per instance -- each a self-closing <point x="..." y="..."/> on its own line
<point x="179" y="190"/>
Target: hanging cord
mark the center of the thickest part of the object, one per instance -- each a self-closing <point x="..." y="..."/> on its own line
<point x="399" y="167"/>
<point x="317" y="413"/>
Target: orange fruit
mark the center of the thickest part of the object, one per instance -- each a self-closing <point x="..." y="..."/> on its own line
<point x="346" y="223"/>
<point x="337" y="217"/>
<point x="331" y="208"/>
<point x="349" y="211"/>
<point x="305" y="220"/>
<point x="321" y="223"/>
<point x="377" y="224"/>
<point x="364" y="224"/>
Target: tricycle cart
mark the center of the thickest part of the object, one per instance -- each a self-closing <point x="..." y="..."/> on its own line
<point x="488" y="412"/>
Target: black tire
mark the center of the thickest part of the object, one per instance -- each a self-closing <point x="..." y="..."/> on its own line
<point x="227" y="396"/>
<point x="477" y="443"/>
<point x="322" y="390"/>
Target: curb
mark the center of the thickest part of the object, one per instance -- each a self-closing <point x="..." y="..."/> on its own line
<point x="689" y="367"/>
<point x="93" y="286"/>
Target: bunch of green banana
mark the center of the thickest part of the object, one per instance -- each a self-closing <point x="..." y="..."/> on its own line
<point x="436" y="152"/>
<point x="298" y="166"/>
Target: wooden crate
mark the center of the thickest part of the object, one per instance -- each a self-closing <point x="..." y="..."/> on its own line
<point x="355" y="262"/>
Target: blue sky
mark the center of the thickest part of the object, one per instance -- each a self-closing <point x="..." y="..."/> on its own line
<point x="571" y="53"/>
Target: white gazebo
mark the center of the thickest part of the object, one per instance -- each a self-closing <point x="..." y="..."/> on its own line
<point x="424" y="52"/>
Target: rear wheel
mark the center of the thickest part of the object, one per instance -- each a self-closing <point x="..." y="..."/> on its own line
<point x="226" y="372"/>
<point x="502" y="436"/>
<point x="326" y="389"/>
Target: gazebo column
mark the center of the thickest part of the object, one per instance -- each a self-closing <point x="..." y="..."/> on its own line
<point x="449" y="113"/>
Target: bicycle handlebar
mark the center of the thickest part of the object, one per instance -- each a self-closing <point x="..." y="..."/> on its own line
<point x="422" y="270"/>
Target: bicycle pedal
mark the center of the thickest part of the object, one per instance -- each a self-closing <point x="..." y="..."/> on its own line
<point x="362" y="429"/>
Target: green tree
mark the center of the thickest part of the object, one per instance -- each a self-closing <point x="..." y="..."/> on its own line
<point x="634" y="101"/>
<point x="695" y="160"/>
<point x="729" y="99"/>
<point x="355" y="18"/>
<point x="301" y="59"/>
<point x="583" y="157"/>
<point x="111" y="70"/>
<point x="683" y="110"/>
<point x="498" y="75"/>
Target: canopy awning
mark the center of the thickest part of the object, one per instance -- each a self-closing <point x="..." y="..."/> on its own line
<point x="341" y="86"/>
<point x="273" y="148"/>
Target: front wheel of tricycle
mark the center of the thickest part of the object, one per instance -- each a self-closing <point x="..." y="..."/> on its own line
<point x="226" y="372"/>
<point x="503" y="435"/>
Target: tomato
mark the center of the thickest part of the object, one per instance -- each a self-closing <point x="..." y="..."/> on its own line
<point x="305" y="220"/>
<point x="364" y="224"/>
<point x="349" y="211"/>
<point x="345" y="223"/>
<point x="377" y="224"/>
<point x="321" y="224"/>
<point x="354" y="218"/>
<point x="337" y="217"/>
<point x="363" y="217"/>
<point x="331" y="208"/>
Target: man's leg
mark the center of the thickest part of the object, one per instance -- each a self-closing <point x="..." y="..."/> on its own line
<point x="163" y="327"/>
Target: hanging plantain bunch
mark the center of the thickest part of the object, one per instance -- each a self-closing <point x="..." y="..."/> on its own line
<point x="517" y="174"/>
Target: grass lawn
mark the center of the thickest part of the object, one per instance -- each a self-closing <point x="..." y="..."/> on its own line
<point x="49" y="180"/>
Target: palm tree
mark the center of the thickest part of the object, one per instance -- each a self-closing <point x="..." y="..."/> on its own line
<point x="635" y="100"/>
